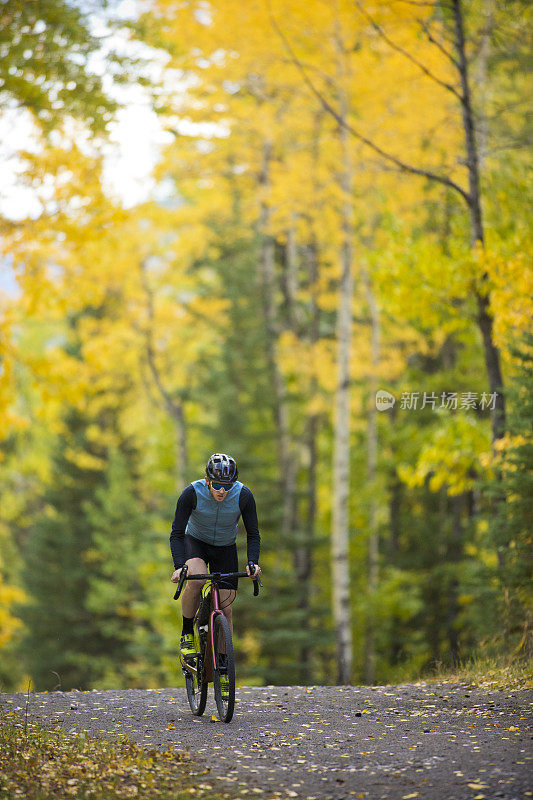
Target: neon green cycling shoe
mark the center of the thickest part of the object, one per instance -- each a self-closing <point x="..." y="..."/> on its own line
<point x="187" y="648"/>
<point x="224" y="685"/>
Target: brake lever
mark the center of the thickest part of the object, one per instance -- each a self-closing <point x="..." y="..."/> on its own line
<point x="257" y="581"/>
<point x="183" y="576"/>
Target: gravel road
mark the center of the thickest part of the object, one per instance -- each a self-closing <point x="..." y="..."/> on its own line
<point x="434" y="742"/>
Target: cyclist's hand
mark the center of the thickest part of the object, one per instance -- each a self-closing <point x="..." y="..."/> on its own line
<point x="176" y="575"/>
<point x="256" y="573"/>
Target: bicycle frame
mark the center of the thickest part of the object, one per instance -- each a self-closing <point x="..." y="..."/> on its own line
<point x="215" y="577"/>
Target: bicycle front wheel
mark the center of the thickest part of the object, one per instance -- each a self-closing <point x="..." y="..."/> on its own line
<point x="224" y="672"/>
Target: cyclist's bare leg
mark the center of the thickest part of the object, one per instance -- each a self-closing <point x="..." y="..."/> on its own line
<point x="192" y="593"/>
<point x="227" y="596"/>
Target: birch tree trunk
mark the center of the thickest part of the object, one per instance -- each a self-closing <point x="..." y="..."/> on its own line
<point x="372" y="455"/>
<point x="304" y="554"/>
<point x="290" y="278"/>
<point x="304" y="550"/>
<point x="342" y="616"/>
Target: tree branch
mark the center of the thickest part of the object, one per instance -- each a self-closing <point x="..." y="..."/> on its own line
<point x="174" y="409"/>
<point x="425" y="27"/>
<point x="422" y="3"/>
<point x="311" y="67"/>
<point x="407" y="55"/>
<point x="401" y="165"/>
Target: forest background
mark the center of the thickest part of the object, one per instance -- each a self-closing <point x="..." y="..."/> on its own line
<point x="341" y="220"/>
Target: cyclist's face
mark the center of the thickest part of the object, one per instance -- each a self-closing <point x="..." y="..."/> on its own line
<point x="218" y="494"/>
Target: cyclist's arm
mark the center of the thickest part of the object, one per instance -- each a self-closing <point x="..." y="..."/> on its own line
<point x="249" y="517"/>
<point x="184" y="507"/>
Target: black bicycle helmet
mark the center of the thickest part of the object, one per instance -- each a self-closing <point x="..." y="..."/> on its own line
<point x="221" y="467"/>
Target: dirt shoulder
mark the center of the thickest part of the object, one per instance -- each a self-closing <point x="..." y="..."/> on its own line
<point x="435" y="742"/>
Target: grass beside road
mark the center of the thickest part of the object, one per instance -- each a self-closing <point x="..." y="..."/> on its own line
<point x="489" y="674"/>
<point x="40" y="764"/>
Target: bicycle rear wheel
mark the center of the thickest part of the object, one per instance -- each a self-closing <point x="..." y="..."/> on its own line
<point x="224" y="673"/>
<point x="194" y="683"/>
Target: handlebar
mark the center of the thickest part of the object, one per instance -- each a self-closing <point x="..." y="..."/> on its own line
<point x="215" y="577"/>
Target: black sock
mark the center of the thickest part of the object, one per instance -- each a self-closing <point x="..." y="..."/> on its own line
<point x="187" y="625"/>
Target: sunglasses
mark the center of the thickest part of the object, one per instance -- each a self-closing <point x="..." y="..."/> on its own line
<point x="217" y="486"/>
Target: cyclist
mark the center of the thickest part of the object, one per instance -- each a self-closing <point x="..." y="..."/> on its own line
<point x="204" y="532"/>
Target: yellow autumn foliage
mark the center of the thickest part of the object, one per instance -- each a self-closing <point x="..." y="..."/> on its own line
<point x="452" y="457"/>
<point x="9" y="624"/>
<point x="511" y="275"/>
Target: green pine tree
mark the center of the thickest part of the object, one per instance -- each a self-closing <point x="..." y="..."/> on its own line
<point x="60" y="630"/>
<point x="512" y="525"/>
<point x="87" y="620"/>
<point x="122" y="544"/>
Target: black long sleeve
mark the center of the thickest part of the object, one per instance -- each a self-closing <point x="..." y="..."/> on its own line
<point x="249" y="517"/>
<point x="184" y="507"/>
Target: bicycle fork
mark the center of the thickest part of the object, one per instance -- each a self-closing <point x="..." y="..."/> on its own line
<point x="210" y="664"/>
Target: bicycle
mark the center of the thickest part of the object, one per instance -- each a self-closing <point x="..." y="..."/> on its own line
<point x="214" y="663"/>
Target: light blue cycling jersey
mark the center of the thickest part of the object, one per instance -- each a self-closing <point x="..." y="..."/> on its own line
<point x="211" y="521"/>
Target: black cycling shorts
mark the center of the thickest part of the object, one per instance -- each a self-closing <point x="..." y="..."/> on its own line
<point x="221" y="558"/>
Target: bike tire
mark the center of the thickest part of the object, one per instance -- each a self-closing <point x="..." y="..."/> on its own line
<point x="224" y="646"/>
<point x="195" y="685"/>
